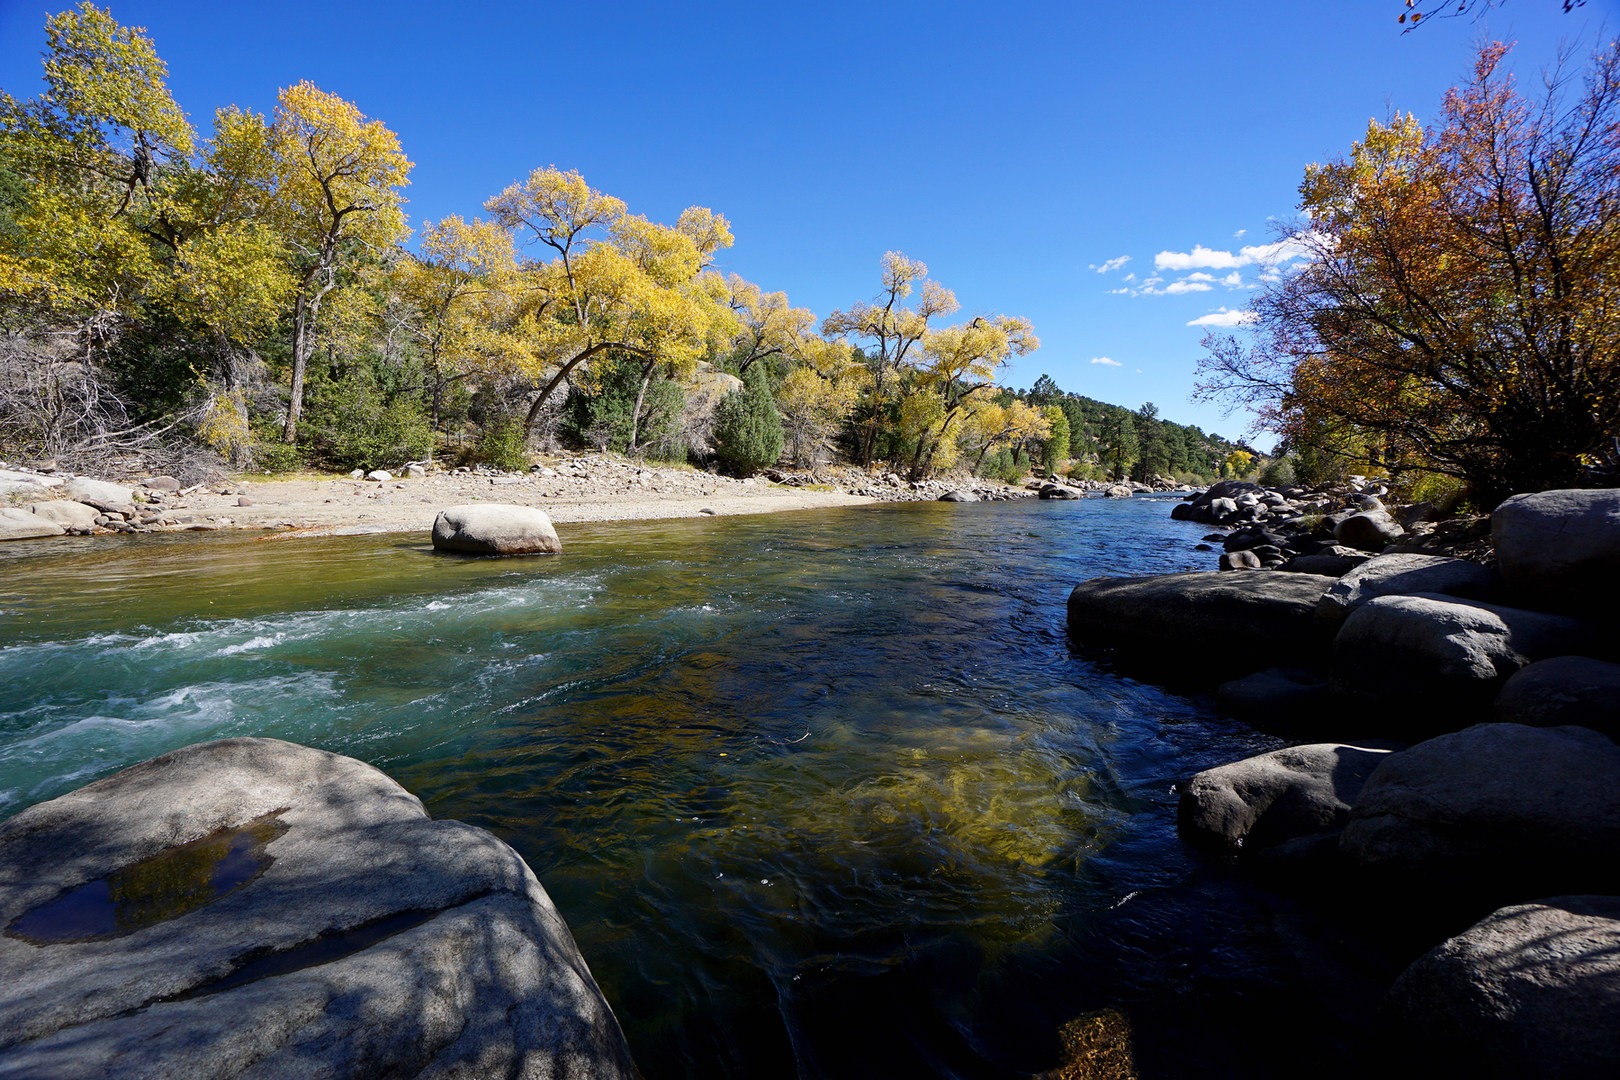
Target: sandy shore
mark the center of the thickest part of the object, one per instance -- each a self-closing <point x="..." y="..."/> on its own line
<point x="590" y="488"/>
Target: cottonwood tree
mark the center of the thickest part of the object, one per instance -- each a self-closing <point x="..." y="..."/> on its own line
<point x="893" y="333"/>
<point x="1461" y="307"/>
<point x="954" y="365"/>
<point x="462" y="304"/>
<point x="332" y="183"/>
<point x="609" y="282"/>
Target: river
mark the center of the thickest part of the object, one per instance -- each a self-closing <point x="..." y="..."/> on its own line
<point x="825" y="794"/>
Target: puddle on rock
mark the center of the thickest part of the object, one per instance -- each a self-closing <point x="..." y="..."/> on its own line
<point x="165" y="886"/>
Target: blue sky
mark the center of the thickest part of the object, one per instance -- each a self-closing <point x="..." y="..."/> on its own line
<point x="1021" y="150"/>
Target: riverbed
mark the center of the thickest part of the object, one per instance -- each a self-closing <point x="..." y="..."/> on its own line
<point x="823" y="794"/>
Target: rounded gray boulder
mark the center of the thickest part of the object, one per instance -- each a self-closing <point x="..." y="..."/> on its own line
<point x="1530" y="990"/>
<point x="253" y="906"/>
<point x="495" y="529"/>
<point x="1563" y="690"/>
<point x="1561" y="549"/>
<point x="1497" y="810"/>
<point x="1279" y="797"/>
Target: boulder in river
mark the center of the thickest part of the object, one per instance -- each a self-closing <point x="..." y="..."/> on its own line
<point x="1561" y="549"/>
<point x="960" y="495"/>
<point x="1285" y="796"/>
<point x="1502" y="811"/>
<point x="250" y="906"/>
<point x="495" y="529"/>
<point x="1204" y="621"/>
<point x="1530" y="990"/>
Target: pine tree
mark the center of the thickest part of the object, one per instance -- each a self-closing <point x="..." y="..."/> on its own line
<point x="748" y="429"/>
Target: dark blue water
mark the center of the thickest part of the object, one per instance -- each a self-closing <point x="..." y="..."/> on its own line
<point x="826" y="794"/>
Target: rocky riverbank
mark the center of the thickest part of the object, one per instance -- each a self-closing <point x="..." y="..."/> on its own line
<point x="586" y="487"/>
<point x="1458" y="769"/>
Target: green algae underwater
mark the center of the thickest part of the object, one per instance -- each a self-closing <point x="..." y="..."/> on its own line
<point x="822" y="794"/>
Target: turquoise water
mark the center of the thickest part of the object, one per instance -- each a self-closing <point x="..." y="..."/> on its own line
<point x="825" y="793"/>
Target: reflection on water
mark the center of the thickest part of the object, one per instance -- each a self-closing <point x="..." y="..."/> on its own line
<point x="822" y="793"/>
<point x="156" y="889"/>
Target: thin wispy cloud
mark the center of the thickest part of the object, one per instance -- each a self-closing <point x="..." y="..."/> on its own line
<point x="1177" y="288"/>
<point x="1106" y="361"/>
<point x="1111" y="265"/>
<point x="1225" y="317"/>
<point x="1286" y="250"/>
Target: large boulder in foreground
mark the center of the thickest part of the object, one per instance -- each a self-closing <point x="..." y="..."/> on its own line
<point x="1501" y="811"/>
<point x="495" y="529"/>
<point x="1561" y="549"/>
<point x="1563" y="690"/>
<point x="1203" y="621"/>
<point x="1531" y="990"/>
<point x="1285" y="796"/>
<point x="252" y="906"/>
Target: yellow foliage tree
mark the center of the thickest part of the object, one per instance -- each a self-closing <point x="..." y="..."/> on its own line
<point x="612" y="281"/>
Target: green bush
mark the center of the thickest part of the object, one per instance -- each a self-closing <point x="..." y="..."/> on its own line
<point x="350" y="422"/>
<point x="269" y="454"/>
<point x="747" y="427"/>
<point x="502" y="444"/>
<point x="602" y="415"/>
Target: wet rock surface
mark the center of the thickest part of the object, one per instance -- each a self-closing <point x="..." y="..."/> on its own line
<point x="254" y="906"/>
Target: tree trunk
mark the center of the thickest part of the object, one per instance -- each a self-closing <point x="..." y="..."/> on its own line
<point x="641" y="396"/>
<point x="300" y="360"/>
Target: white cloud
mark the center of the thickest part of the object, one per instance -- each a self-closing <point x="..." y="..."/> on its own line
<point x="1200" y="276"/>
<point x="1286" y="250"/>
<point x="1239" y="234"/>
<point x="1176" y="288"/>
<point x="1224" y="317"/>
<point x="1199" y="256"/>
<point x="1106" y="361"/>
<point x="1234" y="280"/>
<point x="1124" y="290"/>
<point x="1129" y="277"/>
<point x="1111" y="265"/>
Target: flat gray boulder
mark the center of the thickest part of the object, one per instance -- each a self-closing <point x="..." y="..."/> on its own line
<point x="19" y="524"/>
<point x="67" y="513"/>
<point x="1203" y="620"/>
<point x="1530" y="990"/>
<point x="1279" y="797"/>
<point x="96" y="492"/>
<point x="495" y="529"/>
<point x="1563" y="690"/>
<point x="250" y="906"/>
<point x="960" y="495"/>
<point x="1502" y="810"/>
<point x="1397" y="575"/>
<point x="1561" y="549"/>
<point x="1438" y="650"/>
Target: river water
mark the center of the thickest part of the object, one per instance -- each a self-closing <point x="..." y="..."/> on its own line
<point x="825" y="794"/>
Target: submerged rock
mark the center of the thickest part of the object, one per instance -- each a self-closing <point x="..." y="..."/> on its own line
<point x="254" y="906"/>
<point x="1530" y="990"/>
<point x="495" y="529"/>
